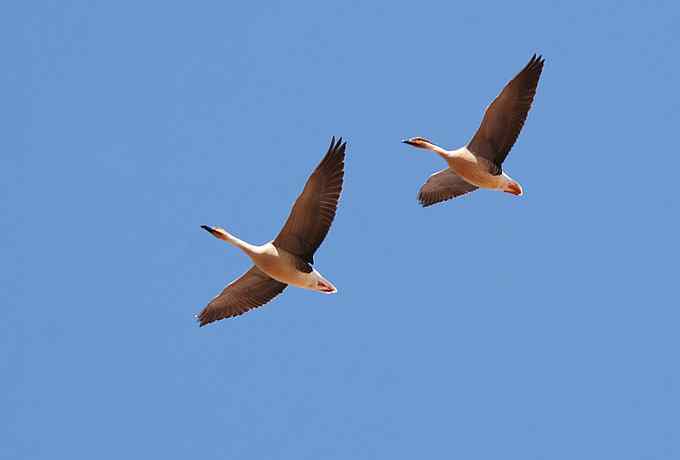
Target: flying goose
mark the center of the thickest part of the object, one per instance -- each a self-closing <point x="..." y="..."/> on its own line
<point x="289" y="257"/>
<point x="478" y="165"/>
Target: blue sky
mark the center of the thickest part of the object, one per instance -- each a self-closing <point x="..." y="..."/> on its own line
<point x="544" y="327"/>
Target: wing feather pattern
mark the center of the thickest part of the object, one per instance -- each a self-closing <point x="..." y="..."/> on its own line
<point x="314" y="210"/>
<point x="443" y="185"/>
<point x="253" y="289"/>
<point x="505" y="117"/>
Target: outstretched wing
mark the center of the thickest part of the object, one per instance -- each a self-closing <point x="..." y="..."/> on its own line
<point x="443" y="185"/>
<point x="504" y="118"/>
<point x="314" y="210"/>
<point x="253" y="289"/>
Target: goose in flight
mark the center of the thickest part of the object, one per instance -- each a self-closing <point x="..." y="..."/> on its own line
<point x="478" y="164"/>
<point x="289" y="257"/>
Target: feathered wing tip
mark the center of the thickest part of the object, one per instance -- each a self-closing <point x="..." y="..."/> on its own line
<point x="253" y="289"/>
<point x="535" y="63"/>
<point x="504" y="118"/>
<point x="442" y="186"/>
<point x="315" y="208"/>
<point x="536" y="58"/>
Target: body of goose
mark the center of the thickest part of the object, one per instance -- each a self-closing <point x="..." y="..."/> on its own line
<point x="286" y="260"/>
<point x="479" y="164"/>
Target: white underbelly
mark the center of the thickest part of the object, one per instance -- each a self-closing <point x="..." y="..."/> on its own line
<point x="296" y="278"/>
<point x="281" y="266"/>
<point x="475" y="170"/>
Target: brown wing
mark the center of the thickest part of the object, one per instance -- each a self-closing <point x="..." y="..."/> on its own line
<point x="443" y="185"/>
<point x="504" y="118"/>
<point x="314" y="210"/>
<point x="253" y="289"/>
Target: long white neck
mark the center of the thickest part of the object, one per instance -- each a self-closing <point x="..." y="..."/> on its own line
<point x="242" y="245"/>
<point x="445" y="154"/>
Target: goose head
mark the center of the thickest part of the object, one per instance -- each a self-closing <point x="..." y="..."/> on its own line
<point x="419" y="142"/>
<point x="217" y="232"/>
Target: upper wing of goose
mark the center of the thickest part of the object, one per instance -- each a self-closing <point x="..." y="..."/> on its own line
<point x="443" y="185"/>
<point x="504" y="118"/>
<point x="253" y="289"/>
<point x="314" y="210"/>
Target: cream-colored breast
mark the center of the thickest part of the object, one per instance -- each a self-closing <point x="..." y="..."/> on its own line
<point x="281" y="265"/>
<point x="473" y="169"/>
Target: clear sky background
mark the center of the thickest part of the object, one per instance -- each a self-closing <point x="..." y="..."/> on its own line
<point x="489" y="327"/>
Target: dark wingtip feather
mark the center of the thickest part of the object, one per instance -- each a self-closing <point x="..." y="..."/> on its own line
<point x="426" y="204"/>
<point x="422" y="200"/>
<point x="342" y="148"/>
<point x="536" y="61"/>
<point x="201" y="319"/>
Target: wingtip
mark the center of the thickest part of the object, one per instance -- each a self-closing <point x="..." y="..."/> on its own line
<point x="336" y="144"/>
<point x="535" y="64"/>
<point x="198" y="319"/>
<point x="339" y="145"/>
